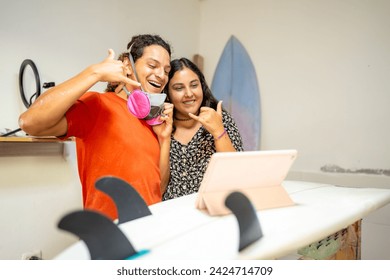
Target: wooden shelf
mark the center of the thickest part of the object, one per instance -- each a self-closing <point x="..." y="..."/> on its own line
<point x="31" y="146"/>
<point x="32" y="139"/>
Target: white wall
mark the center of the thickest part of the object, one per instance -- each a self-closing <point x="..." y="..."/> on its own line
<point x="322" y="66"/>
<point x="39" y="185"/>
<point x="323" y="69"/>
<point x="62" y="38"/>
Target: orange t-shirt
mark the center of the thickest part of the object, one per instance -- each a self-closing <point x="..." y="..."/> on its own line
<point x="110" y="141"/>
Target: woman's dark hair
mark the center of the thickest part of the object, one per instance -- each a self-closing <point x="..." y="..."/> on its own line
<point x="136" y="47"/>
<point x="179" y="64"/>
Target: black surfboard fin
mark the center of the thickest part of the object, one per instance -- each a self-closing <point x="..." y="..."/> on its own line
<point x="104" y="239"/>
<point x="249" y="225"/>
<point x="130" y="205"/>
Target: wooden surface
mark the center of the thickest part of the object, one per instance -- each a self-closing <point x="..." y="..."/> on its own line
<point x="30" y="139"/>
<point x="31" y="146"/>
<point x="344" y="244"/>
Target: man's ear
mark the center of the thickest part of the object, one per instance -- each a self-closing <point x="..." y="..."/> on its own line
<point x="127" y="64"/>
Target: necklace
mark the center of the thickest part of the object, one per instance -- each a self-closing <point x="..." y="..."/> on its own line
<point x="182" y="120"/>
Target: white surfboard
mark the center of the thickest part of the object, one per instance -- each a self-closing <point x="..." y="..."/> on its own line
<point x="177" y="230"/>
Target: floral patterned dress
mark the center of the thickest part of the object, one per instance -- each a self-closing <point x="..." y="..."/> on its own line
<point x="188" y="163"/>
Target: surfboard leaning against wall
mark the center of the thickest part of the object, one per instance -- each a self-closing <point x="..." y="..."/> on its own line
<point x="235" y="82"/>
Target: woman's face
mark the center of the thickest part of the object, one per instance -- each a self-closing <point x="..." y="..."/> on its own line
<point x="153" y="68"/>
<point x="185" y="92"/>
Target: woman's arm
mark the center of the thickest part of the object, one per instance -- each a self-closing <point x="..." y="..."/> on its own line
<point x="223" y="143"/>
<point x="164" y="164"/>
<point x="163" y="132"/>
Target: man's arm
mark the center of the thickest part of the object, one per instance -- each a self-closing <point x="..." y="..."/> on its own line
<point x="46" y="116"/>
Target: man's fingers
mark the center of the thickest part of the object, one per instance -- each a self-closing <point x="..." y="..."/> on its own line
<point x="119" y="87"/>
<point x="130" y="82"/>
<point x="111" y="54"/>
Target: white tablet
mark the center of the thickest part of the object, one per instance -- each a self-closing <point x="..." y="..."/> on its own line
<point x="258" y="174"/>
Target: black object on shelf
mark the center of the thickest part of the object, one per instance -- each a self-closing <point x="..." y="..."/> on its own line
<point x="25" y="63"/>
<point x="27" y="101"/>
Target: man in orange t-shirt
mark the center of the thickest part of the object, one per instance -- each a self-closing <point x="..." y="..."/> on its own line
<point x="111" y="141"/>
<point x="135" y="159"/>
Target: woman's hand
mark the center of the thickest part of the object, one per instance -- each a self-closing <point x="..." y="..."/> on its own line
<point x="164" y="130"/>
<point x="211" y="119"/>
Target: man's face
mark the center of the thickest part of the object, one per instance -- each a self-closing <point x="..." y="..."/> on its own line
<point x="153" y="68"/>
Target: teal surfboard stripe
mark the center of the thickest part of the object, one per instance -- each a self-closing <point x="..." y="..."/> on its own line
<point x="235" y="82"/>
